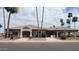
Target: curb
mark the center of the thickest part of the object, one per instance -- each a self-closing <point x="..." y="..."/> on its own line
<point x="36" y="41"/>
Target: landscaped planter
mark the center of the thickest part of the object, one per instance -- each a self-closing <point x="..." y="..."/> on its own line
<point x="63" y="37"/>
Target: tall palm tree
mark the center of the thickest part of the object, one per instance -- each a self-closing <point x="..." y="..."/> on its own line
<point x="62" y="24"/>
<point x="10" y="10"/>
<point x="53" y="26"/>
<point x="61" y="21"/>
<point x="75" y="19"/>
<point x="69" y="16"/>
<point x="68" y="22"/>
<point x="4" y="20"/>
<point x="42" y="20"/>
<point x="37" y="20"/>
<point x="0" y="25"/>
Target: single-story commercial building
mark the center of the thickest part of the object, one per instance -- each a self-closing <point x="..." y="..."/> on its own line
<point x="32" y="31"/>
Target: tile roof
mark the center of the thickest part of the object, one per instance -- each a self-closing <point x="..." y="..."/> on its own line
<point x="65" y="28"/>
<point x="44" y="28"/>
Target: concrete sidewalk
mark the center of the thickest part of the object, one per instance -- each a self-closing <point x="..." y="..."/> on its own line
<point x="49" y="40"/>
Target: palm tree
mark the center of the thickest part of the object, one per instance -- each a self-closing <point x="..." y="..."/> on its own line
<point x="4" y="20"/>
<point x="10" y="10"/>
<point x="62" y="24"/>
<point x="61" y="21"/>
<point x="42" y="20"/>
<point x="37" y="20"/>
<point x="68" y="22"/>
<point x="0" y="25"/>
<point x="75" y="19"/>
<point x="69" y="16"/>
<point x="53" y="26"/>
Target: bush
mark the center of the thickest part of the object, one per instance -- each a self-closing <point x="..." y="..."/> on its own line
<point x="63" y="37"/>
<point x="77" y="35"/>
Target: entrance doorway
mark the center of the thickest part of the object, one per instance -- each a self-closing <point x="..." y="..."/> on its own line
<point x="26" y="34"/>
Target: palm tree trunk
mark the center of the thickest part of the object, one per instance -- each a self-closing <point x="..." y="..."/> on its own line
<point x="70" y="23"/>
<point x="8" y="24"/>
<point x="4" y="22"/>
<point x="42" y="20"/>
<point x="74" y="32"/>
<point x="37" y="20"/>
<point x="69" y="27"/>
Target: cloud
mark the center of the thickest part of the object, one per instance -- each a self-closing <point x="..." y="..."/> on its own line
<point x="53" y="15"/>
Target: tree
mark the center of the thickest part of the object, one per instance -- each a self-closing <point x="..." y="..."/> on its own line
<point x="4" y="20"/>
<point x="37" y="20"/>
<point x="75" y="19"/>
<point x="0" y="25"/>
<point x="69" y="20"/>
<point x="53" y="26"/>
<point x="42" y="21"/>
<point x="61" y="21"/>
<point x="69" y="15"/>
<point x="62" y="24"/>
<point x="10" y="10"/>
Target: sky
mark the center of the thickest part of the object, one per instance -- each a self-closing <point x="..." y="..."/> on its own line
<point x="52" y="15"/>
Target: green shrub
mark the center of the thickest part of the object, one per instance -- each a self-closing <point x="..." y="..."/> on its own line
<point x="77" y="35"/>
<point x="63" y="37"/>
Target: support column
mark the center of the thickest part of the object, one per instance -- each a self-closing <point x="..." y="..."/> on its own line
<point x="57" y="34"/>
<point x="21" y="34"/>
<point x="18" y="34"/>
<point x="30" y="33"/>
